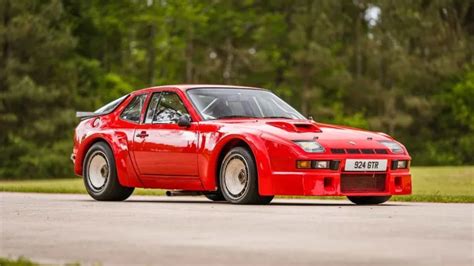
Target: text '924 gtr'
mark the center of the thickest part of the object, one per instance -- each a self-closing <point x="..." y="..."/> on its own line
<point x="239" y="144"/>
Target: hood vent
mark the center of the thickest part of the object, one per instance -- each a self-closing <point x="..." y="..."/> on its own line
<point x="306" y="127"/>
<point x="296" y="127"/>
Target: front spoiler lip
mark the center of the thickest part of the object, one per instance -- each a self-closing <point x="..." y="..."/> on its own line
<point x="306" y="183"/>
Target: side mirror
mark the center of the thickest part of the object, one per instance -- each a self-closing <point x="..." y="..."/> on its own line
<point x="184" y="121"/>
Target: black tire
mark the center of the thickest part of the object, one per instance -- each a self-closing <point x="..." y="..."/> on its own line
<point x="249" y="193"/>
<point x="215" y="196"/>
<point x="265" y="200"/>
<point x="368" y="200"/>
<point x="110" y="190"/>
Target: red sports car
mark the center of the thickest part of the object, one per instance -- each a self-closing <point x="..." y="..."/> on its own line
<point x="240" y="144"/>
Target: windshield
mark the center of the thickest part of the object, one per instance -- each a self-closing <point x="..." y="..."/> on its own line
<point x="240" y="103"/>
<point x="108" y="108"/>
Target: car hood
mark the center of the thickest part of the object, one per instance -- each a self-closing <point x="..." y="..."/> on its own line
<point x="331" y="136"/>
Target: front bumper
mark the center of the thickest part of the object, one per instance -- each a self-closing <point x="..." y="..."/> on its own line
<point x="315" y="183"/>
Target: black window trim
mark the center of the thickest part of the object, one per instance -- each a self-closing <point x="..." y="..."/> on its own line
<point x="148" y="106"/>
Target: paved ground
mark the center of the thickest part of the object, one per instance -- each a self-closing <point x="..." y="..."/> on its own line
<point x="192" y="230"/>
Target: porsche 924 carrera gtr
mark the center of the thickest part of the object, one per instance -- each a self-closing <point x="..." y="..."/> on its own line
<point x="238" y="144"/>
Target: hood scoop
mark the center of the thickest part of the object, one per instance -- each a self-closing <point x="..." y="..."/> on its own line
<point x="299" y="127"/>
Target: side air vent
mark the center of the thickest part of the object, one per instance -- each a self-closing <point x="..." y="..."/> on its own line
<point x="367" y="151"/>
<point x="381" y="151"/>
<point x="338" y="151"/>
<point x="353" y="151"/>
<point x="359" y="151"/>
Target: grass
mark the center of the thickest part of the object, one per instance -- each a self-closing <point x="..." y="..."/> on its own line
<point x="21" y="261"/>
<point x="61" y="186"/>
<point x="430" y="184"/>
<point x="441" y="184"/>
<point x="16" y="262"/>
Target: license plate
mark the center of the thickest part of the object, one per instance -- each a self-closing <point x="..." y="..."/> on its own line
<point x="365" y="165"/>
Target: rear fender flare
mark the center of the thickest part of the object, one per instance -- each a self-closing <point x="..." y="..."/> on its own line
<point x="118" y="142"/>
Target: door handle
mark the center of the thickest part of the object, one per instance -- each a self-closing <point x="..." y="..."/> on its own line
<point x="142" y="134"/>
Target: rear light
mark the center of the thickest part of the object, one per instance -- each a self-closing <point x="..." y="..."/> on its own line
<point x="326" y="164"/>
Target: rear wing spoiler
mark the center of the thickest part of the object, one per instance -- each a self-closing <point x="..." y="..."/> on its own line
<point x="85" y="115"/>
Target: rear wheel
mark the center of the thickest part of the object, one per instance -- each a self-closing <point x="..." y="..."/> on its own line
<point x="238" y="178"/>
<point x="368" y="200"/>
<point x="100" y="175"/>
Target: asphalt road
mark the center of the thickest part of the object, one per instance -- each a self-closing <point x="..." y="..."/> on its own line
<point x="191" y="230"/>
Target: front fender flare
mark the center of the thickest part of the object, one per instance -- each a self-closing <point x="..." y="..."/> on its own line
<point x="260" y="153"/>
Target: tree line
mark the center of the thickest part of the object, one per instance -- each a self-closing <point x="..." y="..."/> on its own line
<point x="400" y="67"/>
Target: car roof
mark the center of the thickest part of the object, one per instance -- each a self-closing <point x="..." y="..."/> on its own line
<point x="185" y="87"/>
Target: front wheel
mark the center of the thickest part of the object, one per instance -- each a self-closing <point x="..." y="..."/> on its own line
<point x="215" y="196"/>
<point x="100" y="175"/>
<point x="368" y="200"/>
<point x="238" y="178"/>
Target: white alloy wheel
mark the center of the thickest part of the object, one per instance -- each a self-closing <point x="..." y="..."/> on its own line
<point x="236" y="175"/>
<point x="238" y="178"/>
<point x="99" y="170"/>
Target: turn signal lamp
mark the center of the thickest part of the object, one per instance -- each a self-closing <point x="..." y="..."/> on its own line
<point x="303" y="164"/>
<point x="326" y="164"/>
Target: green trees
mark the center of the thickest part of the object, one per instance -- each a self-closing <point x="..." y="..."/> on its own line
<point x="37" y="87"/>
<point x="402" y="67"/>
<point x="452" y="140"/>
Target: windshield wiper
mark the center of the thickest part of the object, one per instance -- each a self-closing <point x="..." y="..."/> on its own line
<point x="249" y="116"/>
<point x="282" y="117"/>
<point x="235" y="116"/>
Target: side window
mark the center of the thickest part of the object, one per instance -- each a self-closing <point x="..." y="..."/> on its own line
<point x="134" y="108"/>
<point x="155" y="99"/>
<point x="170" y="108"/>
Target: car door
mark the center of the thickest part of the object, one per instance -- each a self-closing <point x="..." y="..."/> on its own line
<point x="161" y="147"/>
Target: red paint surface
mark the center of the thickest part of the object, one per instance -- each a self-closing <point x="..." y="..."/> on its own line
<point x="174" y="157"/>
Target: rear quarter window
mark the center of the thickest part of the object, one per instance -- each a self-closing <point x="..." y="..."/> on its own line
<point x="133" y="110"/>
<point x="110" y="107"/>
